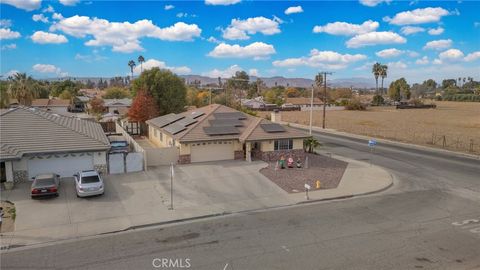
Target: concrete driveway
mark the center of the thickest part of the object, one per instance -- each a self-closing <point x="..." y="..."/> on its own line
<point x="141" y="198"/>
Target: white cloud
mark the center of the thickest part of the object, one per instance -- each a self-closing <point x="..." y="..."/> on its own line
<point x="123" y="36"/>
<point x="6" y="33"/>
<point x="169" y="7"/>
<point x="438" y="44"/>
<point x="47" y="68"/>
<point x="27" y="5"/>
<point x="48" y="9"/>
<point x="69" y="2"/>
<point x="90" y="58"/>
<point x="151" y="63"/>
<point x="347" y="29"/>
<point x="291" y="10"/>
<point x="418" y="16"/>
<point x="253" y="72"/>
<point x="222" y="2"/>
<point x="4" y="23"/>
<point x="213" y="40"/>
<point x="57" y="16"/>
<point x="389" y="53"/>
<point x="46" y="38"/>
<point x="472" y="56"/>
<point x="397" y="65"/>
<point x="39" y="17"/>
<point x="372" y="3"/>
<point x="240" y="29"/>
<point x="375" y="38"/>
<point x="9" y="46"/>
<point x="256" y="50"/>
<point x="409" y="30"/>
<point x="451" y="55"/>
<point x="412" y="53"/>
<point x="423" y="61"/>
<point x="435" y="32"/>
<point x="323" y="59"/>
<point x="227" y="73"/>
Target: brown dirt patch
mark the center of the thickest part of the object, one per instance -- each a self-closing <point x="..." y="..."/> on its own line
<point x="328" y="170"/>
<point x="9" y="215"/>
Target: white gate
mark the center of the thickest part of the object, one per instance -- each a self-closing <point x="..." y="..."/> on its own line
<point x="116" y="163"/>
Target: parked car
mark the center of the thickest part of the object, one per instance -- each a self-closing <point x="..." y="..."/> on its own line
<point x="118" y="144"/>
<point x="89" y="183"/>
<point x="45" y="185"/>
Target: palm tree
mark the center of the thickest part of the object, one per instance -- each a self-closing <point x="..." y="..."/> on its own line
<point x="310" y="144"/>
<point x="383" y="74"/>
<point x="141" y="60"/>
<point x="376" y="69"/>
<point x="131" y="64"/>
<point x="22" y="89"/>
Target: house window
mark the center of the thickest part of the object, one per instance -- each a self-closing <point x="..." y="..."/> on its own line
<point x="283" y="144"/>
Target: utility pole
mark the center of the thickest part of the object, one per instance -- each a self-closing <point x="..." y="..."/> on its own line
<point x="324" y="95"/>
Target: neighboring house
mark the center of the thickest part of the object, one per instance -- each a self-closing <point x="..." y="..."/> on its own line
<point x="52" y="105"/>
<point x="254" y="103"/>
<point x="33" y="142"/>
<point x="91" y="93"/>
<point x="216" y="132"/>
<point x="304" y="102"/>
<point x="118" y="106"/>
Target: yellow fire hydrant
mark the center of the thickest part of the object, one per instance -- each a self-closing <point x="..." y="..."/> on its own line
<point x="318" y="184"/>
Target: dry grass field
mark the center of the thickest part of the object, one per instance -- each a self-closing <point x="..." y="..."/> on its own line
<point x="452" y="125"/>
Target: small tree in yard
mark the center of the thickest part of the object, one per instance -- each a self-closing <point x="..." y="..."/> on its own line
<point x="143" y="107"/>
<point x="310" y="144"/>
<point x="96" y="105"/>
<point x="377" y="100"/>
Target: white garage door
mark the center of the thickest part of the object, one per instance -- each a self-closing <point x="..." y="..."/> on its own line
<point x="62" y="164"/>
<point x="211" y="152"/>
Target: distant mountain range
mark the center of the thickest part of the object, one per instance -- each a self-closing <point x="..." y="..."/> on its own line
<point x="361" y="83"/>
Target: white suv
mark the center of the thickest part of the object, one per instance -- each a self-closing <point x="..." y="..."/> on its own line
<point x="89" y="183"/>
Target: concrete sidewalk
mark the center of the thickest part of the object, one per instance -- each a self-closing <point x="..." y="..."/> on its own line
<point x="142" y="199"/>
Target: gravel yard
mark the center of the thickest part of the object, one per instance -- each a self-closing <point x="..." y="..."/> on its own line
<point x="328" y="170"/>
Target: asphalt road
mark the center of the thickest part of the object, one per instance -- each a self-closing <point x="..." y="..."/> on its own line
<point x="430" y="219"/>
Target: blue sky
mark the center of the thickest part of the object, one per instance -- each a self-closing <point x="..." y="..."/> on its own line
<point x="417" y="40"/>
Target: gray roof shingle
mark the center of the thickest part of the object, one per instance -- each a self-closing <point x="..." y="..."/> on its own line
<point x="32" y="131"/>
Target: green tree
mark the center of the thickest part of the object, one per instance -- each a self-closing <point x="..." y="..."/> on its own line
<point x="383" y="74"/>
<point x="168" y="90"/>
<point x="310" y="144"/>
<point x="116" y="92"/>
<point x="376" y="70"/>
<point x="58" y="87"/>
<point x="4" y="95"/>
<point x="131" y="64"/>
<point x="378" y="100"/>
<point x="449" y="83"/>
<point x="65" y="95"/>
<point x="399" y="89"/>
<point x="238" y="84"/>
<point x="141" y="60"/>
<point x="21" y="88"/>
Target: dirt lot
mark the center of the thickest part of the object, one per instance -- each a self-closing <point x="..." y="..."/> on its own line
<point x="453" y="125"/>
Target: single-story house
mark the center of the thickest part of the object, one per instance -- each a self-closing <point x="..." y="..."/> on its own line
<point x="118" y="106"/>
<point x="254" y="103"/>
<point x="51" y="105"/>
<point x="34" y="141"/>
<point x="216" y="132"/>
<point x="304" y="102"/>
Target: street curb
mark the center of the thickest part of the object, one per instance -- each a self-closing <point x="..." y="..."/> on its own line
<point x="386" y="141"/>
<point x="350" y="195"/>
<point x="174" y="221"/>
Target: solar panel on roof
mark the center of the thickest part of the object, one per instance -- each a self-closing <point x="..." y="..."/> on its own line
<point x="186" y="121"/>
<point x="225" y="122"/>
<point x="270" y="128"/>
<point x="230" y="115"/>
<point x="167" y="119"/>
<point x="174" y="128"/>
<point x="195" y="115"/>
<point x="227" y="130"/>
